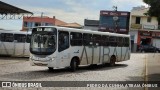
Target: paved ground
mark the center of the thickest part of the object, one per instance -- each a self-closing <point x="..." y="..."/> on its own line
<point x="153" y="67"/>
<point x="139" y="68"/>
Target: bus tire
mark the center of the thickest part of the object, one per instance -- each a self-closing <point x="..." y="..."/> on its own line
<point x="112" y="61"/>
<point x="74" y="65"/>
<point x="50" y="68"/>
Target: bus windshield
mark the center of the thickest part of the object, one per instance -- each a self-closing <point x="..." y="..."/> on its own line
<point x="43" y="41"/>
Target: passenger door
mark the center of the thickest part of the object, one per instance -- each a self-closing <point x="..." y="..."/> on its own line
<point x="63" y="45"/>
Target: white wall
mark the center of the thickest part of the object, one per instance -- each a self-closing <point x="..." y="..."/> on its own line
<point x="133" y="20"/>
<point x="153" y="21"/>
<point x="135" y="34"/>
<point x="91" y="28"/>
<point x="140" y="13"/>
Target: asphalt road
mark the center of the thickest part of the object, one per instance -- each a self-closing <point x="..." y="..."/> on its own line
<point x="141" y="67"/>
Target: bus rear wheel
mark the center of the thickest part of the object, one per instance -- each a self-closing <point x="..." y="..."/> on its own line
<point x="112" y="61"/>
<point x="50" y="68"/>
<point x="74" y="64"/>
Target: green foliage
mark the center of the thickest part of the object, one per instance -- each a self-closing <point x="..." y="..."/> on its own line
<point x="154" y="8"/>
<point x="147" y="1"/>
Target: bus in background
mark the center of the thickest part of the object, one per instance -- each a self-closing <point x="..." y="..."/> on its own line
<point x="14" y="43"/>
<point x="59" y="47"/>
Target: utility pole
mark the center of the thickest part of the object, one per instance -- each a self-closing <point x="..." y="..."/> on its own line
<point x="41" y="18"/>
<point x="115" y="18"/>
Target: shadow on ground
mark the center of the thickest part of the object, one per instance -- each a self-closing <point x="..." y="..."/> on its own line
<point x="29" y="75"/>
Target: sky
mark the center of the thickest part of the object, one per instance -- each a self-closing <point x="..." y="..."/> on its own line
<point x="67" y="10"/>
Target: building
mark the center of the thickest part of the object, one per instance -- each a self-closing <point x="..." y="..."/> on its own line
<point x="8" y="11"/>
<point x="114" y="21"/>
<point x="144" y="30"/>
<point x="91" y="24"/>
<point x="71" y="25"/>
<point x="29" y="22"/>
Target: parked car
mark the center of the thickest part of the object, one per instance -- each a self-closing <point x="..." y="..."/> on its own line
<point x="149" y="48"/>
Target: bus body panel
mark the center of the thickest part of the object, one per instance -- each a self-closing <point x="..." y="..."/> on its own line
<point x="19" y="49"/>
<point x="106" y="55"/>
<point x="95" y="55"/>
<point x="7" y="48"/>
<point x="63" y="58"/>
<point x="26" y="49"/>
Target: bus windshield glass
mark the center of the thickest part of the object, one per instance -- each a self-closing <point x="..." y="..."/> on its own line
<point x="43" y="41"/>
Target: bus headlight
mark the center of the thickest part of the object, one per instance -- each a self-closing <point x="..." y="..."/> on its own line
<point x="31" y="57"/>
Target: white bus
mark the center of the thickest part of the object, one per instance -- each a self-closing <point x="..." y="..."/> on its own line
<point x="14" y="43"/>
<point x="59" y="47"/>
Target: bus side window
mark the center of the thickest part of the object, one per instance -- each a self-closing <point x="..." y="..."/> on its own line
<point x="7" y="37"/>
<point x="117" y="41"/>
<point x="87" y="39"/>
<point x="126" y="39"/>
<point x="120" y="41"/>
<point x="63" y="40"/>
<point x="76" y="39"/>
<point x="96" y="40"/>
<point x="0" y="37"/>
<point x="20" y="37"/>
<point x="28" y="39"/>
<point x="105" y="41"/>
<point x="112" y="41"/>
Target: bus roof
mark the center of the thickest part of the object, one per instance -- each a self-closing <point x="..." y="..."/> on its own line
<point x="86" y="31"/>
<point x="14" y="32"/>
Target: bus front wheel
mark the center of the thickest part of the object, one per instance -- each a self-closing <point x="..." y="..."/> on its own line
<point x="74" y="64"/>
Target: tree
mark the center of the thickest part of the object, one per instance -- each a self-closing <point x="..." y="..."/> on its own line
<point x="154" y="9"/>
